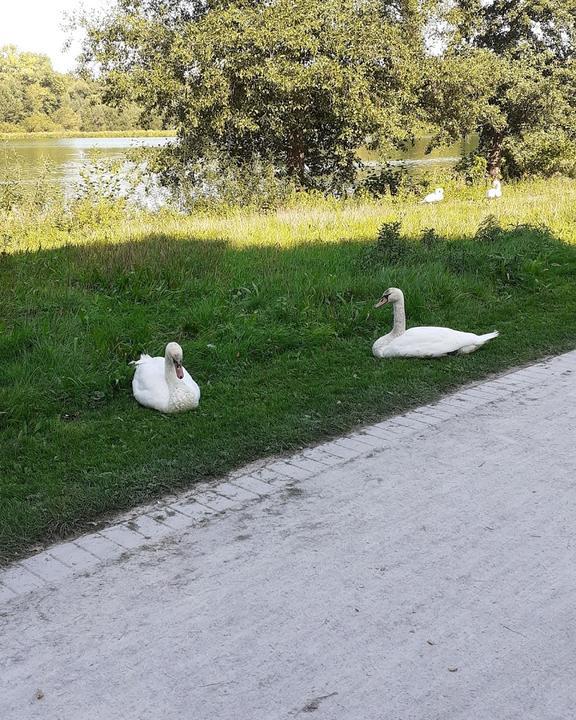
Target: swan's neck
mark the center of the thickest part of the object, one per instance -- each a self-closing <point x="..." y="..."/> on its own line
<point x="170" y="373"/>
<point x="399" y="318"/>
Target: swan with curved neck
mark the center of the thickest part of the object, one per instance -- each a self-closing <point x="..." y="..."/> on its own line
<point x="423" y="342"/>
<point x="495" y="191"/>
<point x="163" y="384"/>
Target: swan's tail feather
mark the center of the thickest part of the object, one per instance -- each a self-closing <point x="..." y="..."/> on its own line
<point x="482" y="339"/>
<point x="143" y="358"/>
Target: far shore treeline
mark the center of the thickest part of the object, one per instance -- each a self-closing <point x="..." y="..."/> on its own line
<point x="34" y="98"/>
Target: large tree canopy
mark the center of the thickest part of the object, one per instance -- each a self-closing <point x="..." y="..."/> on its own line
<point x="300" y="83"/>
<point x="509" y="74"/>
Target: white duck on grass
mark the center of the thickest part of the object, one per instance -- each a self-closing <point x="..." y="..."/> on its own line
<point x="422" y="342"/>
<point x="161" y="383"/>
<point x="495" y="191"/>
<point x="434" y="197"/>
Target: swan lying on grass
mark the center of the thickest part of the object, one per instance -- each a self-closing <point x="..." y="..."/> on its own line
<point x="495" y="191"/>
<point x="423" y="342"/>
<point x="434" y="197"/>
<point x="161" y="383"/>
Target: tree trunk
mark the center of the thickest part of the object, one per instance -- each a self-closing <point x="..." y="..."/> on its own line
<point x="493" y="142"/>
<point x="296" y="158"/>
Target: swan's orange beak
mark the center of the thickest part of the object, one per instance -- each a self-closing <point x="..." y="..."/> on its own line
<point x="383" y="300"/>
<point x="179" y="371"/>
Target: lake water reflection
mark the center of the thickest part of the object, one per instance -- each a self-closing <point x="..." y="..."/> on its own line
<point x="27" y="158"/>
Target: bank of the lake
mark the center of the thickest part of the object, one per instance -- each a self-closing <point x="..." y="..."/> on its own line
<point x="89" y="134"/>
<point x="59" y="156"/>
<point x="275" y="315"/>
<point x="59" y="159"/>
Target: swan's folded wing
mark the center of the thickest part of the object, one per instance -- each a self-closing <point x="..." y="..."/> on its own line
<point x="149" y="384"/>
<point x="432" y="341"/>
<point x="192" y="384"/>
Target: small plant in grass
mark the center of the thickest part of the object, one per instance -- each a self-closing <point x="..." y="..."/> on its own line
<point x="489" y="230"/>
<point x="430" y="238"/>
<point x="6" y="241"/>
<point x="390" y="247"/>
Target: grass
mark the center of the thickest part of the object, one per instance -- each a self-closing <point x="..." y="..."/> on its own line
<point x="275" y="316"/>
<point x="84" y="134"/>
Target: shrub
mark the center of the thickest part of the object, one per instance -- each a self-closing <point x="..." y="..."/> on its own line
<point x="489" y="230"/>
<point x="217" y="182"/>
<point x="390" y="247"/>
<point x="395" y="181"/>
<point x="430" y="238"/>
<point x="542" y="153"/>
<point x="471" y="168"/>
<point x="39" y="122"/>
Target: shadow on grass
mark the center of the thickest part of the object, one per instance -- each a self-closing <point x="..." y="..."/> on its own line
<point x="279" y="340"/>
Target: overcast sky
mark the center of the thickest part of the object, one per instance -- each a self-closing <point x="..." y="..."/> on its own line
<point x="35" y="25"/>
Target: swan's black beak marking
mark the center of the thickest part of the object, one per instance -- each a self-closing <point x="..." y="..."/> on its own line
<point x="383" y="300"/>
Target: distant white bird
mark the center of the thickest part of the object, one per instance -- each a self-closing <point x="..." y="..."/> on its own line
<point x="422" y="342"/>
<point x="435" y="196"/>
<point x="495" y="191"/>
<point x="161" y="383"/>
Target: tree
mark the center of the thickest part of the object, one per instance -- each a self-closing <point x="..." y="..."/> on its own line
<point x="11" y="101"/>
<point x="509" y="74"/>
<point x="299" y="83"/>
<point x="34" y="97"/>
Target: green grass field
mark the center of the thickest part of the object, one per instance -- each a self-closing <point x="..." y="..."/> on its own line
<point x="274" y="312"/>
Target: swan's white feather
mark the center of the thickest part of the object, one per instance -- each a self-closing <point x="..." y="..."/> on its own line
<point x="434" y="197"/>
<point x="495" y="191"/>
<point x="422" y="342"/>
<point x="151" y="389"/>
<point x="429" y="342"/>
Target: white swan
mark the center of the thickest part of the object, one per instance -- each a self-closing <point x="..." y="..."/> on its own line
<point x="495" y="191"/>
<point x="433" y="197"/>
<point x="424" y="342"/>
<point x="161" y="383"/>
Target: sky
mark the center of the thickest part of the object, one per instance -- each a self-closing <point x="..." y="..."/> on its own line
<point x="35" y="25"/>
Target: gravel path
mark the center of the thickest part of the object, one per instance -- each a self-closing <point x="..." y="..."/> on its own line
<point x="423" y="568"/>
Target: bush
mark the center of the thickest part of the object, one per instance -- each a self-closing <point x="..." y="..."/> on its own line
<point x="6" y="127"/>
<point x="24" y="198"/>
<point x="430" y="239"/>
<point x="489" y="230"/>
<point x="39" y="123"/>
<point x="390" y="247"/>
<point x="217" y="182"/>
<point x="471" y="168"/>
<point x="394" y="181"/>
<point x="540" y="152"/>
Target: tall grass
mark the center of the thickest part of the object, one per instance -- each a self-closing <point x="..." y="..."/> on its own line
<point x="274" y="312"/>
<point x="308" y="218"/>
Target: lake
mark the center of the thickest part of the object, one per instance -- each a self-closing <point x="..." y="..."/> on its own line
<point x="27" y="158"/>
